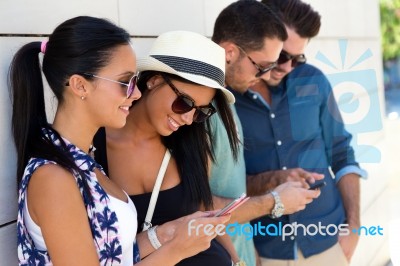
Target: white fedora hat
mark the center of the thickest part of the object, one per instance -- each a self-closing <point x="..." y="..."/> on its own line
<point x="191" y="56"/>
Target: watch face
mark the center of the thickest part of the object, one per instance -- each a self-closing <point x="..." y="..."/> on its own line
<point x="278" y="210"/>
<point x="240" y="263"/>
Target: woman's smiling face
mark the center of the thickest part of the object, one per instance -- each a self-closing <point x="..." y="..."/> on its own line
<point x="161" y="99"/>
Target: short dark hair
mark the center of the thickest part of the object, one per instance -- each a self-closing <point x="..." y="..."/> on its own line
<point x="247" y="23"/>
<point x="297" y="15"/>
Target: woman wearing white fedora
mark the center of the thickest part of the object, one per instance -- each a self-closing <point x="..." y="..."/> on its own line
<point x="182" y="85"/>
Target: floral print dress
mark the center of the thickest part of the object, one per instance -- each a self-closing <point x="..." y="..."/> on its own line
<point x="103" y="221"/>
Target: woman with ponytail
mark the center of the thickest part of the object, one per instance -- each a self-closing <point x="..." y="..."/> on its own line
<point x="70" y="213"/>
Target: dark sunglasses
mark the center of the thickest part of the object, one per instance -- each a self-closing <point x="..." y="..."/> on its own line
<point x="261" y="70"/>
<point x="296" y="59"/>
<point x="130" y="85"/>
<point x="184" y="104"/>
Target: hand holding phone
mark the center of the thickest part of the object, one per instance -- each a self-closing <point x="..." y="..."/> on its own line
<point x="233" y="205"/>
<point x="317" y="185"/>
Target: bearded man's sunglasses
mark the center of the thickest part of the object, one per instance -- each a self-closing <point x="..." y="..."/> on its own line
<point x="296" y="59"/>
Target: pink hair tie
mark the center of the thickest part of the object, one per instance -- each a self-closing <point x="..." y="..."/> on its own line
<point x="43" y="46"/>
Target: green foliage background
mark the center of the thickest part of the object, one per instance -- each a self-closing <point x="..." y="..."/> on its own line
<point x="390" y="28"/>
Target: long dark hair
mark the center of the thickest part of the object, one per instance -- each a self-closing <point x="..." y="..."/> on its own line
<point x="78" y="45"/>
<point x="191" y="147"/>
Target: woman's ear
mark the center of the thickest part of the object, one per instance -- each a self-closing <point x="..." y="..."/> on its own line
<point x="79" y="86"/>
<point x="154" y="82"/>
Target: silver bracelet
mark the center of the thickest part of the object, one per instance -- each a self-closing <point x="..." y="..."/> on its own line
<point x="152" y="235"/>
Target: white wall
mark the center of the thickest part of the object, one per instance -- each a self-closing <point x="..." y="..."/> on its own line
<point x="356" y="21"/>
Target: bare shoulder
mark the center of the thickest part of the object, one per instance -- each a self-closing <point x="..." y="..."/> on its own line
<point x="51" y="178"/>
<point x="56" y="205"/>
<point x="52" y="187"/>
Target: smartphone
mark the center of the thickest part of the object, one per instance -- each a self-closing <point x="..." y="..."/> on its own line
<point x="317" y="185"/>
<point x="233" y="205"/>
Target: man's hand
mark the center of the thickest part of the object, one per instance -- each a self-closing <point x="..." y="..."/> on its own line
<point x="349" y="187"/>
<point x="295" y="197"/>
<point x="301" y="175"/>
<point x="261" y="183"/>
<point x="348" y="244"/>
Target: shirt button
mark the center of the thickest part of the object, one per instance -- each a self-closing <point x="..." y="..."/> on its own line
<point x="279" y="143"/>
<point x="272" y="115"/>
<point x="255" y="97"/>
<point x="284" y="168"/>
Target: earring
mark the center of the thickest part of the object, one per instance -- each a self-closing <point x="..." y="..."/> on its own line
<point x="228" y="61"/>
<point x="148" y="86"/>
<point x="82" y="98"/>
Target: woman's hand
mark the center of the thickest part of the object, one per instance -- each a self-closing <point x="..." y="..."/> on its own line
<point x="183" y="238"/>
<point x="193" y="233"/>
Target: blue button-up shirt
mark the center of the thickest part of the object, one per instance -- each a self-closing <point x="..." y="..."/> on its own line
<point x="301" y="128"/>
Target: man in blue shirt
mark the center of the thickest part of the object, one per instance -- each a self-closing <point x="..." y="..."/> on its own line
<point x="252" y="36"/>
<point x="292" y="121"/>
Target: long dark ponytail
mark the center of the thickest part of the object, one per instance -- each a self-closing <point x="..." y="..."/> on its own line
<point x="79" y="45"/>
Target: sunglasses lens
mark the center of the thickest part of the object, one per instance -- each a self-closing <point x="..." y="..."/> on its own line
<point x="266" y="70"/>
<point x="131" y="86"/>
<point x="296" y="60"/>
<point x="283" y="58"/>
<point x="202" y="114"/>
<point x="182" y="105"/>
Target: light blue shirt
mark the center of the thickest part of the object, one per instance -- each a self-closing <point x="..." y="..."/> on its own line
<point x="228" y="178"/>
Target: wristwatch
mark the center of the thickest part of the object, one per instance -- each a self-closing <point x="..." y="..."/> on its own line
<point x="278" y="209"/>
<point x="239" y="263"/>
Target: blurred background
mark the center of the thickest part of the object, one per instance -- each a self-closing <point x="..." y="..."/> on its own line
<point x="390" y="40"/>
<point x="390" y="28"/>
<point x="358" y="48"/>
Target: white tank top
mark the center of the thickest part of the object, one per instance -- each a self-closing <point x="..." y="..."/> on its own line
<point x="127" y="220"/>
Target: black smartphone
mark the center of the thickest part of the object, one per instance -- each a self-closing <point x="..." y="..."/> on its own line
<point x="317" y="185"/>
<point x="232" y="205"/>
